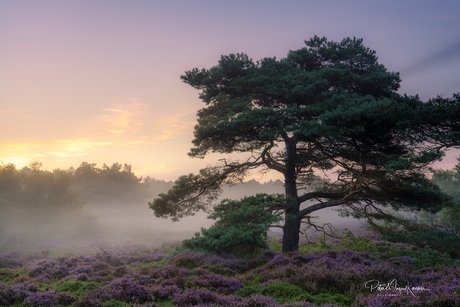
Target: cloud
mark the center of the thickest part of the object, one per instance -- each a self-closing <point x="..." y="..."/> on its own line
<point x="172" y="126"/>
<point x="135" y="123"/>
<point x="76" y="147"/>
<point x="124" y="119"/>
<point x="446" y="55"/>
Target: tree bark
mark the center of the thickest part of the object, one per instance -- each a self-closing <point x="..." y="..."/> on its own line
<point x="291" y="230"/>
<point x="292" y="221"/>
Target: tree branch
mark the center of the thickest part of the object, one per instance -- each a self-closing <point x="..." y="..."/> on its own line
<point x="322" y="205"/>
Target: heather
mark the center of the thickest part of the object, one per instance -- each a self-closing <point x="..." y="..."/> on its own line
<point x="357" y="271"/>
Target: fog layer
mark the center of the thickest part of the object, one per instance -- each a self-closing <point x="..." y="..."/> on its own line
<point x="100" y="207"/>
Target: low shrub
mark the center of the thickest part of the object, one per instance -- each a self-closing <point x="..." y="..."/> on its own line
<point x="284" y="292"/>
<point x="123" y="289"/>
<point x="77" y="287"/>
<point x="428" y="257"/>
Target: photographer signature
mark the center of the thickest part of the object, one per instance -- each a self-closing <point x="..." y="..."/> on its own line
<point x="376" y="285"/>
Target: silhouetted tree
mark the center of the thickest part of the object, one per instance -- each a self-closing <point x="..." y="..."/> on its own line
<point x="328" y="108"/>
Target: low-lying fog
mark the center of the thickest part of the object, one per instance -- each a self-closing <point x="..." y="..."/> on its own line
<point x="136" y="222"/>
<point x="104" y="224"/>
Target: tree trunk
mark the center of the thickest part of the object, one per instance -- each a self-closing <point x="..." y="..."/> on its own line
<point x="291" y="231"/>
<point x="291" y="226"/>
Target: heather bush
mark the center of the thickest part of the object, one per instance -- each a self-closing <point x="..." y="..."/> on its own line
<point x="19" y="292"/>
<point x="187" y="260"/>
<point x="64" y="299"/>
<point x="46" y="299"/>
<point x="225" y="264"/>
<point x="194" y="297"/>
<point x="123" y="289"/>
<point x="260" y="301"/>
<point x="168" y="272"/>
<point x="217" y="283"/>
<point x="165" y="292"/>
<point x="29" y="294"/>
<point x="11" y="260"/>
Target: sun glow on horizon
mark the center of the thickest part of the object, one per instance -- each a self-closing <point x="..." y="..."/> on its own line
<point x="122" y="131"/>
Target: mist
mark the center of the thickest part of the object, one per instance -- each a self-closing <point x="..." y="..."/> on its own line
<point x="93" y="207"/>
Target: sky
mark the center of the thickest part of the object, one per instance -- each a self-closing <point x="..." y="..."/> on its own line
<point x="99" y="81"/>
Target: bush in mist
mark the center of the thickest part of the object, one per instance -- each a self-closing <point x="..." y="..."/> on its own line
<point x="241" y="226"/>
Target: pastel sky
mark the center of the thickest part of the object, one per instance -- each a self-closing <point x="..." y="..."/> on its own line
<point x="99" y="81"/>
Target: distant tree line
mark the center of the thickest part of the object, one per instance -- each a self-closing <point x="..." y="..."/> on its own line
<point x="37" y="205"/>
<point x="116" y="184"/>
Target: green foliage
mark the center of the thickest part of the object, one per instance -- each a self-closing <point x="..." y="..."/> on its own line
<point x="77" y="287"/>
<point x="362" y="244"/>
<point x="274" y="245"/>
<point x="281" y="291"/>
<point x="9" y="275"/>
<point x="331" y="297"/>
<point x="248" y="290"/>
<point x="428" y="258"/>
<point x="241" y="226"/>
<point x="421" y="235"/>
<point x="440" y="232"/>
<point x="171" y="205"/>
<point x="164" y="303"/>
<point x="449" y="182"/>
<point x="284" y="292"/>
<point x="115" y="303"/>
<point x="315" y="247"/>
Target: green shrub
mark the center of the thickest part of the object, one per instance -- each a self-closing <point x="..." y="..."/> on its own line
<point x="330" y="297"/>
<point x="280" y="291"/>
<point x="115" y="303"/>
<point x="241" y="226"/>
<point x="275" y="245"/>
<point x="77" y="287"/>
<point x="317" y="247"/>
<point x="444" y="240"/>
<point x="429" y="257"/>
<point x="9" y="275"/>
<point x="362" y="244"/>
<point x="284" y="292"/>
<point x="248" y="290"/>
